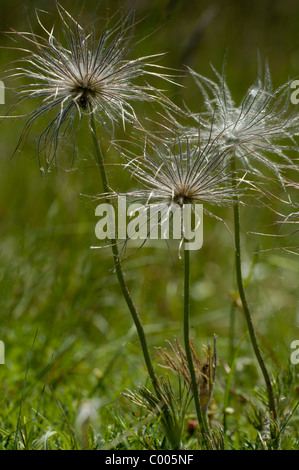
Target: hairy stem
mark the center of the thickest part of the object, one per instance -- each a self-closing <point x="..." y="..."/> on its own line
<point x="202" y="419"/>
<point x="119" y="271"/>
<point x="251" y="330"/>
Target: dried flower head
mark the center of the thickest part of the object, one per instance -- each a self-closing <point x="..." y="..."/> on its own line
<point x="205" y="370"/>
<point x="177" y="176"/>
<point x="181" y="173"/>
<point x="258" y="132"/>
<point x="75" y="73"/>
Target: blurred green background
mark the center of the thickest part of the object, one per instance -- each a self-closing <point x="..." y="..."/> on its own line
<point x="54" y="286"/>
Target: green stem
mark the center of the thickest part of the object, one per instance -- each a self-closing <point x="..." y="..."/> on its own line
<point x="119" y="271"/>
<point x="202" y="419"/>
<point x="257" y="351"/>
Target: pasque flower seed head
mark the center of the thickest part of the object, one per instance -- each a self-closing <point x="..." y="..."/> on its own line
<point x="73" y="72"/>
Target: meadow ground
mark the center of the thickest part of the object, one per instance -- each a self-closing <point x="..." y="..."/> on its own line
<point x="71" y="349"/>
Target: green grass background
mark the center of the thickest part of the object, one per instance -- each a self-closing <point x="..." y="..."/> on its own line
<point x="55" y="289"/>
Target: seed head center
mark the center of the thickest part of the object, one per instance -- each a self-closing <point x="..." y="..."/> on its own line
<point x="84" y="92"/>
<point x="183" y="196"/>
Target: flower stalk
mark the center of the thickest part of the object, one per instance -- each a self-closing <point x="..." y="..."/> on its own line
<point x="250" y="326"/>
<point x="119" y="271"/>
<point x="202" y="417"/>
